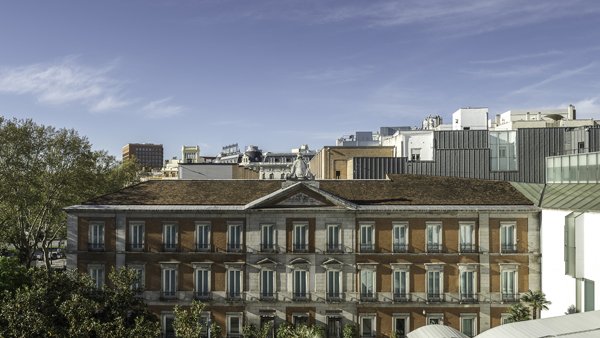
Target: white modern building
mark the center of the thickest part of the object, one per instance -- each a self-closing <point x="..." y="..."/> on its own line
<point x="470" y="119"/>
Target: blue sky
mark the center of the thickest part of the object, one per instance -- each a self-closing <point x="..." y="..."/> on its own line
<point x="282" y="73"/>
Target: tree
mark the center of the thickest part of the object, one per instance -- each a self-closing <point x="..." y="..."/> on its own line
<point x="350" y="331"/>
<point x="537" y="301"/>
<point x="42" y="170"/>
<point x="251" y="331"/>
<point x="188" y="322"/>
<point x="287" y="330"/>
<point x="518" y="313"/>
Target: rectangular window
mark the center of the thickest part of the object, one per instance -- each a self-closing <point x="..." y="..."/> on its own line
<point x="300" y="285"/>
<point x="401" y="325"/>
<point x="300" y="319"/>
<point x="415" y="154"/>
<point x="367" y="285"/>
<point x="234" y="284"/>
<point x="434" y="237"/>
<point x="435" y="318"/>
<point x="97" y="274"/>
<point x="170" y="237"/>
<point x="400" y="237"/>
<point x="333" y="285"/>
<point x="267" y="280"/>
<point x="203" y="284"/>
<point x="434" y="286"/>
<point x="333" y="238"/>
<point x="300" y="237"/>
<point x="503" y="150"/>
<point x="167" y="326"/>
<point x="367" y="326"/>
<point x="267" y="236"/>
<point x="138" y="284"/>
<point x="367" y="238"/>
<point x="96" y="241"/>
<point x="136" y="236"/>
<point x="234" y="325"/>
<point x="169" y="282"/>
<point x="467" y="286"/>
<point x="334" y="327"/>
<point x="467" y="237"/>
<point x="268" y="321"/>
<point x="234" y="238"/>
<point x="400" y="285"/>
<point x="468" y="325"/>
<point x="202" y="236"/>
<point x="509" y="286"/>
<point x="507" y="237"/>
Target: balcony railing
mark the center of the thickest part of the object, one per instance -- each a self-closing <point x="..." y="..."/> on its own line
<point x="169" y="247"/>
<point x="367" y="247"/>
<point x="468" y="298"/>
<point x="400" y="247"/>
<point x="334" y="297"/>
<point x="434" y="248"/>
<point x="267" y="296"/>
<point x="267" y="247"/>
<point x="168" y="294"/>
<point x="335" y="248"/>
<point x="401" y="297"/>
<point x="203" y="295"/>
<point x="301" y="296"/>
<point x="234" y="247"/>
<point x="135" y="247"/>
<point x="368" y="297"/>
<point x="95" y="246"/>
<point x="508" y="248"/>
<point x="300" y="247"/>
<point x="468" y="248"/>
<point x="202" y="247"/>
<point x="434" y="297"/>
<point x="510" y="297"/>
<point x="234" y="296"/>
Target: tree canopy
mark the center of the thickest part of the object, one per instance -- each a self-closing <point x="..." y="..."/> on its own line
<point x="43" y="170"/>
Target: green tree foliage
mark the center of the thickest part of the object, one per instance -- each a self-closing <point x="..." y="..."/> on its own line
<point x="518" y="313"/>
<point x="42" y="170"/>
<point x="537" y="301"/>
<point x="187" y="322"/>
<point x="12" y="275"/>
<point x="66" y="304"/>
<point x="350" y="331"/>
<point x="287" y="330"/>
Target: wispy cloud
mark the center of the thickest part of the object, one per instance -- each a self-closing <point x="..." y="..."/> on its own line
<point x="162" y="108"/>
<point x="519" y="57"/>
<point x="512" y="72"/>
<point x="338" y="76"/>
<point x="586" y="108"/>
<point x="559" y="76"/>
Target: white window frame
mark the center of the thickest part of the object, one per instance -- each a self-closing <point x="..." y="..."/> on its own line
<point x="467" y="268"/>
<point x="202" y="267"/>
<point x="372" y="269"/>
<point x="399" y="228"/>
<point x="434" y="268"/>
<point x="163" y="322"/>
<point x="297" y="315"/>
<point x="440" y="239"/>
<point x="273" y="244"/>
<point x="434" y="316"/>
<point x="241" y="281"/>
<point x="306" y="281"/>
<point x="415" y="154"/>
<point x="203" y="246"/>
<point x="137" y="246"/>
<point x="503" y="241"/>
<point x="334" y="245"/>
<point x="406" y="317"/>
<point x="97" y="235"/>
<point x="373" y="318"/>
<point x="461" y="239"/>
<point x="469" y="316"/>
<point x="399" y="268"/>
<point x="509" y="268"/>
<point x="170" y="246"/>
<point x="330" y="294"/>
<point x="273" y="291"/>
<point x="98" y="274"/>
<point x="175" y="283"/>
<point x="141" y="272"/>
<point x="363" y="241"/>
<point x="505" y="318"/>
<point x="296" y="241"/>
<point x="235" y="247"/>
<point x="240" y="316"/>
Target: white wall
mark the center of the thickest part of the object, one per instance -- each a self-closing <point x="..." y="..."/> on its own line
<point x="591" y="252"/>
<point x="404" y="141"/>
<point x="471" y="118"/>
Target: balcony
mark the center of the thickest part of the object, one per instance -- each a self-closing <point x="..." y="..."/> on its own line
<point x="434" y="297"/>
<point x="268" y="296"/>
<point x="401" y="297"/>
<point x="400" y="247"/>
<point x="135" y="247"/>
<point x="268" y="247"/>
<point x="335" y="248"/>
<point x="167" y="295"/>
<point x="301" y="296"/>
<point x="468" y="298"/>
<point x="234" y="296"/>
<point x="300" y="247"/>
<point x="468" y="248"/>
<point x="510" y="297"/>
<point x="202" y="247"/>
<point x="334" y="297"/>
<point x="169" y="247"/>
<point x="434" y="248"/>
<point x="203" y="295"/>
<point x="368" y="297"/>
<point x="508" y="248"/>
<point x="367" y="247"/>
<point x="234" y="247"/>
<point x="95" y="246"/>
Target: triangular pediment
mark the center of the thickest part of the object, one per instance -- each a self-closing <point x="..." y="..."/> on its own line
<point x="300" y="195"/>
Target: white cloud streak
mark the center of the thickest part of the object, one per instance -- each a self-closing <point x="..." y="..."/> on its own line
<point x="338" y="76"/>
<point x="559" y="76"/>
<point x="161" y="108"/>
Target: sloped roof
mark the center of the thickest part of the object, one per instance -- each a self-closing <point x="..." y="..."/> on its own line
<point x="398" y="190"/>
<point x="563" y="196"/>
<point x="436" y="331"/>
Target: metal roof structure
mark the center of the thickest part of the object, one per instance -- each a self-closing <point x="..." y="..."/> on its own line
<point x="436" y="331"/>
<point x="562" y="196"/>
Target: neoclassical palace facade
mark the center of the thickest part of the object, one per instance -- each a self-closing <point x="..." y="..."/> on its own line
<point x="389" y="255"/>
